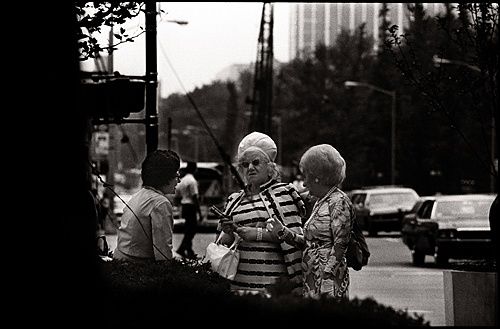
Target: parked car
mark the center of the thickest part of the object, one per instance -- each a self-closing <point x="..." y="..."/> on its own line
<point x="381" y="208"/>
<point x="449" y="226"/>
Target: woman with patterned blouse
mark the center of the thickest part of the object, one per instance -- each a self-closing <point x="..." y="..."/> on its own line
<point x="263" y="257"/>
<point x="327" y="231"/>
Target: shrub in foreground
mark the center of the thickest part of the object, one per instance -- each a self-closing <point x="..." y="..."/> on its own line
<point x="157" y="293"/>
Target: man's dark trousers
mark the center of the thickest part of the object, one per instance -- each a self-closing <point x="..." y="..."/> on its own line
<point x="189" y="214"/>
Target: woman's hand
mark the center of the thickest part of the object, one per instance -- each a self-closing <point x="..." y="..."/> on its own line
<point x="228" y="227"/>
<point x="227" y="239"/>
<point x="247" y="233"/>
<point x="274" y="226"/>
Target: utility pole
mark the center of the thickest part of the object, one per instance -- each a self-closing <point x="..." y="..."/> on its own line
<point x="261" y="116"/>
<point x="151" y="119"/>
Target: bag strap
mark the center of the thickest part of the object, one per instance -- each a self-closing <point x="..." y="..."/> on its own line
<point x="277" y="206"/>
<point x="234" y="245"/>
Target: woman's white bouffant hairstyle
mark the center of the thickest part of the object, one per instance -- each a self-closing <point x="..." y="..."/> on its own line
<point x="257" y="141"/>
<point x="325" y="163"/>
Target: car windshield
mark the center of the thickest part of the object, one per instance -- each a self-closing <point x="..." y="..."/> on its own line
<point x="416" y="206"/>
<point x="387" y="200"/>
<point x="463" y="209"/>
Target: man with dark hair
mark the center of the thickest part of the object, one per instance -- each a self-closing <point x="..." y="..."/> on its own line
<point x="145" y="231"/>
<point x="187" y="190"/>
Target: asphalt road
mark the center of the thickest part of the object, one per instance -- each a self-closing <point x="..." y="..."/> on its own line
<point x="389" y="277"/>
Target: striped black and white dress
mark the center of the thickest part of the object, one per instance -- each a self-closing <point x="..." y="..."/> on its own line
<point x="262" y="263"/>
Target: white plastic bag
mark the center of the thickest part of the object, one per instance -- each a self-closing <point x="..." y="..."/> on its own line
<point x="223" y="260"/>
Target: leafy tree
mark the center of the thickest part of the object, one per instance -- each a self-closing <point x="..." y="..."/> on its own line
<point x="315" y="104"/>
<point x="212" y="102"/>
<point x="461" y="98"/>
<point x="92" y="16"/>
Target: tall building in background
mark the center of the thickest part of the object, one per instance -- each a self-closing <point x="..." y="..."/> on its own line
<point x="314" y="23"/>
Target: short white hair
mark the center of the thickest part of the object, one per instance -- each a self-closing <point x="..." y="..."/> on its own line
<point x="324" y="162"/>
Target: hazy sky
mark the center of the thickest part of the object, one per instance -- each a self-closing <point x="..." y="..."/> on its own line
<point x="218" y="34"/>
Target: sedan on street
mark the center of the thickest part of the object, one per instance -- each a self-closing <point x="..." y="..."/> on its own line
<point x="449" y="226"/>
<point x="381" y="208"/>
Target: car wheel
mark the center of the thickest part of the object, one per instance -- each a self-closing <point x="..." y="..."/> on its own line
<point x="418" y="257"/>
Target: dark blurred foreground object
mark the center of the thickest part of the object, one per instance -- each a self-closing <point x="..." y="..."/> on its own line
<point x="158" y="292"/>
<point x="112" y="98"/>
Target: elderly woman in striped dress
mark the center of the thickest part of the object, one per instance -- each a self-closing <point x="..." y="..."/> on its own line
<point x="264" y="259"/>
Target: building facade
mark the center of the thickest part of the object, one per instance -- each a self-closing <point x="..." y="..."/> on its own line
<point x="314" y="23"/>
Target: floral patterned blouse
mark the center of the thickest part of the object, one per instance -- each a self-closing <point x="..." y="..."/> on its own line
<point x="324" y="243"/>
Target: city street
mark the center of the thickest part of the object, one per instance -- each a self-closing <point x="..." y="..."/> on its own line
<point x="389" y="277"/>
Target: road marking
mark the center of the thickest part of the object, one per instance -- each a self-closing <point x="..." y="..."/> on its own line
<point x="401" y="271"/>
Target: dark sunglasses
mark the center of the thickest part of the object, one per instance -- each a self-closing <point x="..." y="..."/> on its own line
<point x="246" y="164"/>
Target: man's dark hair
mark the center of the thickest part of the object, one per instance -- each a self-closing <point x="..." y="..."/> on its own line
<point x="191" y="167"/>
<point x="159" y="167"/>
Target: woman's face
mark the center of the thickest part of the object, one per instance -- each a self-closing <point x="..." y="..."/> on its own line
<point x="169" y="188"/>
<point x="254" y="167"/>
<point x="310" y="182"/>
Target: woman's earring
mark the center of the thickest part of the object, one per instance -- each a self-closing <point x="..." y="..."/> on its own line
<point x="316" y="180"/>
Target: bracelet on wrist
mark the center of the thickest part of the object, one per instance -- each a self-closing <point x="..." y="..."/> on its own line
<point x="281" y="233"/>
<point x="259" y="233"/>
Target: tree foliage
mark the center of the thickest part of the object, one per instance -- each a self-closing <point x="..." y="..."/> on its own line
<point x="461" y="92"/>
<point x="93" y="16"/>
<point x="315" y="107"/>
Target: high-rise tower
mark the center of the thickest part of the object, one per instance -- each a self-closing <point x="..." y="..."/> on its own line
<point x="313" y="23"/>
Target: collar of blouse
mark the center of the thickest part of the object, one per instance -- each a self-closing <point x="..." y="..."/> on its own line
<point x="261" y="188"/>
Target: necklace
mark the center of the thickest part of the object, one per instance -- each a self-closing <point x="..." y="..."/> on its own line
<point x="318" y="204"/>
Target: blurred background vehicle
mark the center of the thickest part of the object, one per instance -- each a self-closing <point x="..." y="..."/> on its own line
<point x="381" y="208"/>
<point x="449" y="226"/>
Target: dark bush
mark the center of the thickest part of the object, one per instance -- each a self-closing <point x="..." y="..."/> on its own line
<point x="158" y="293"/>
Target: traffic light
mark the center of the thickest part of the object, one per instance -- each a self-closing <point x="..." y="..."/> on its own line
<point x="112" y="98"/>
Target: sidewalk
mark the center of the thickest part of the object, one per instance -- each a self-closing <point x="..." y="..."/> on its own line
<point x="200" y="242"/>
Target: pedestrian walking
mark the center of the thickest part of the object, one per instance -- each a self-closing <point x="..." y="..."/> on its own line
<point x="187" y="192"/>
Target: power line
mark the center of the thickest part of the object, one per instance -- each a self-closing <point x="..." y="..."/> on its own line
<point x="222" y="152"/>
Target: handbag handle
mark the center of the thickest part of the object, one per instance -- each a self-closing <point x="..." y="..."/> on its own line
<point x="235" y="243"/>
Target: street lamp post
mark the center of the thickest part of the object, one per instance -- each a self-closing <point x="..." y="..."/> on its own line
<point x="151" y="120"/>
<point x="177" y="21"/>
<point x="391" y="93"/>
<point x="438" y="61"/>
